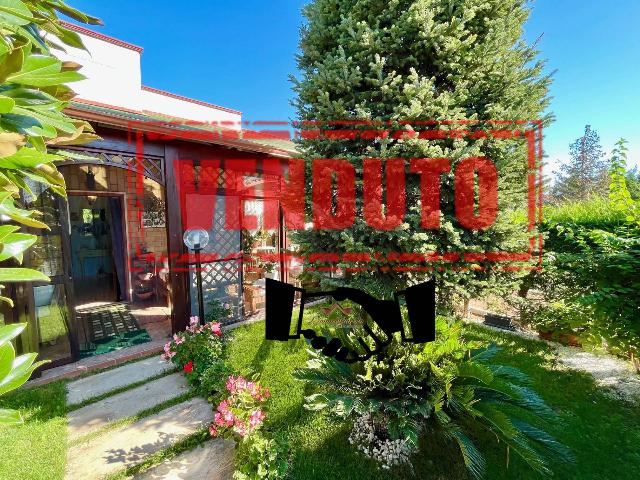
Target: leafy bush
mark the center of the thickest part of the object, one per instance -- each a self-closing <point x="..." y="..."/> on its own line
<point x="561" y="318"/>
<point x="196" y="349"/>
<point x="258" y="458"/>
<point x="213" y="379"/>
<point x="14" y="371"/>
<point x="217" y="311"/>
<point x="442" y="388"/>
<point x="591" y="274"/>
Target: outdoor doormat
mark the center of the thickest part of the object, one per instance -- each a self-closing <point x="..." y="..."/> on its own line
<point x="110" y="327"/>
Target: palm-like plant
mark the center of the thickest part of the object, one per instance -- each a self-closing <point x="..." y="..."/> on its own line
<point x="447" y="388"/>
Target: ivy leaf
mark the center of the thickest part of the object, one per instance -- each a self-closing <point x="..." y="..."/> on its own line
<point x="73" y="13"/>
<point x="11" y="331"/>
<point x="25" y="217"/>
<point x="9" y="143"/>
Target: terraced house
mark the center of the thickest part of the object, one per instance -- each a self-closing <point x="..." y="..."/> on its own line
<point x="113" y="282"/>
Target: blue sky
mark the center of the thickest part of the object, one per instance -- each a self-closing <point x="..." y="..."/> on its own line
<point x="239" y="55"/>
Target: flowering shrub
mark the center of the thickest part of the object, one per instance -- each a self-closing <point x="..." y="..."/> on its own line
<point x="195" y="349"/>
<point x="372" y="438"/>
<point x="241" y="413"/>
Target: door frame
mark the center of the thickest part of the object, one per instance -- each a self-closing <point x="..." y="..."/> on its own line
<point x="125" y="231"/>
<point x="25" y="297"/>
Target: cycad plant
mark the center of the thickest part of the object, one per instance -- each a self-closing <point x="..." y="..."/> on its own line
<point x="447" y="388"/>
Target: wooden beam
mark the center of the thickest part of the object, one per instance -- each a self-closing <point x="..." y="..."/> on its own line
<point x="178" y="276"/>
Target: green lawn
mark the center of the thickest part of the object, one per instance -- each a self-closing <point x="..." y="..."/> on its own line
<point x="37" y="449"/>
<point x="603" y="433"/>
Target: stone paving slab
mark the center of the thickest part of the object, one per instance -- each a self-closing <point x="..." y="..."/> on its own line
<point x="97" y="362"/>
<point x="211" y="461"/>
<point x="131" y="444"/>
<point x="131" y="402"/>
<point x="101" y="383"/>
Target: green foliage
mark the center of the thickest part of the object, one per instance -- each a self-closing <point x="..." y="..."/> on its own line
<point x="594" y="212"/>
<point x="618" y="192"/>
<point x="408" y="60"/>
<point x="561" y="318"/>
<point x="213" y="379"/>
<point x="14" y="371"/>
<point x="442" y="388"/>
<point x="585" y="173"/>
<point x="196" y="349"/>
<point x="33" y="94"/>
<point x="591" y="276"/>
<point x="217" y="311"/>
<point x="258" y="458"/>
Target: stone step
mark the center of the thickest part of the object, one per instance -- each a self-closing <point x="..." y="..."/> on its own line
<point x="211" y="461"/>
<point x="101" y="383"/>
<point x="131" y="444"/>
<point x="130" y="402"/>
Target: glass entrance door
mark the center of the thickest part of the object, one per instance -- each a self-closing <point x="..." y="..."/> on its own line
<point x="49" y="305"/>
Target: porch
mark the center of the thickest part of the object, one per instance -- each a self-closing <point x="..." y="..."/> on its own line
<point x="109" y="244"/>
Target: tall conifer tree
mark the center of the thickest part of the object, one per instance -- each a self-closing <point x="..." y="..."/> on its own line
<point x="408" y="60"/>
<point x="585" y="173"/>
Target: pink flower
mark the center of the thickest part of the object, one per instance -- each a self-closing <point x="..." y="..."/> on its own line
<point x="218" y="420"/>
<point x="241" y="383"/>
<point x="229" y="418"/>
<point x="194" y="323"/>
<point x="168" y="354"/>
<point x="240" y="429"/>
<point x="215" y="329"/>
<point x="177" y="339"/>
<point x="231" y="384"/>
<point x="213" y="431"/>
<point x="257" y="416"/>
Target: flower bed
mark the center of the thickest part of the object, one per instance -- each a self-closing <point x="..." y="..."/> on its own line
<point x="199" y="352"/>
<point x="196" y="350"/>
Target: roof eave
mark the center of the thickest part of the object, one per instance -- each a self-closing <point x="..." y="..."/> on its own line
<point x="121" y="123"/>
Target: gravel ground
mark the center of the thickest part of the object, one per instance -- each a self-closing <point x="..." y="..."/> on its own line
<point x="618" y="377"/>
<point x="616" y="374"/>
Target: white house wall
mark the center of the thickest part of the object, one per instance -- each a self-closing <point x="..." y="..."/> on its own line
<point x="114" y="78"/>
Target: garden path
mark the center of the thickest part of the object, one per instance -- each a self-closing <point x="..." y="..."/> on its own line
<point x="142" y="412"/>
<point x="608" y="371"/>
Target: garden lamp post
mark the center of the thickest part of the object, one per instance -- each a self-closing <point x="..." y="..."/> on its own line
<point x="197" y="239"/>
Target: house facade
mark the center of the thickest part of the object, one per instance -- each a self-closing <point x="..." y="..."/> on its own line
<point x="115" y="252"/>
